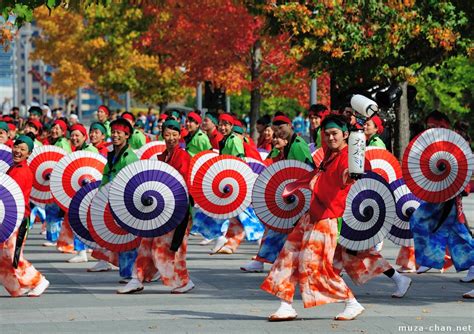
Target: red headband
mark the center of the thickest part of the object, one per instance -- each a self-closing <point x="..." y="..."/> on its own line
<point x="194" y="116"/>
<point x="227" y="118"/>
<point x="163" y="116"/>
<point x="11" y="126"/>
<point x="36" y="124"/>
<point x="438" y="123"/>
<point x="237" y="122"/>
<point x="281" y="118"/>
<point x="104" y="109"/>
<point x="128" y="117"/>
<point x="80" y="128"/>
<point x="121" y="127"/>
<point x="378" y="123"/>
<point x="61" y="124"/>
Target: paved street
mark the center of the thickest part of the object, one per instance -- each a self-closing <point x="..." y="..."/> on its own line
<point x="225" y="300"/>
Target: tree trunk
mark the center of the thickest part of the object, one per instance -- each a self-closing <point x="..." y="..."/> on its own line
<point x="162" y="106"/>
<point x="402" y="134"/>
<point x="255" y="96"/>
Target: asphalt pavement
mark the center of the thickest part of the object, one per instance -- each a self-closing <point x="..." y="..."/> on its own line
<point x="225" y="300"/>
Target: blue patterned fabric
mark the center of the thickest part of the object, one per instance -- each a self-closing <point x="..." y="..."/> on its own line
<point x="79" y="245"/>
<point x="54" y="220"/>
<point x="209" y="228"/>
<point x="37" y="211"/>
<point x="271" y="245"/>
<point x="252" y="226"/>
<point x="430" y="247"/>
<point x="126" y="262"/>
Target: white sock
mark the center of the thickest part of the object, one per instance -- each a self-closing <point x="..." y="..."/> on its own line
<point x="396" y="277"/>
<point x="351" y="302"/>
<point x="286" y="305"/>
<point x="82" y="253"/>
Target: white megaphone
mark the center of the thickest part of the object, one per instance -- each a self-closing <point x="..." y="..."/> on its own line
<point x="364" y="106"/>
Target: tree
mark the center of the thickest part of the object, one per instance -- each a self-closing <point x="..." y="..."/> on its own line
<point x="374" y="42"/>
<point x="99" y="42"/>
<point x="222" y="41"/>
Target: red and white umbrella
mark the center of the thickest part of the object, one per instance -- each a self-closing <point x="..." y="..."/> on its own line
<point x="383" y="163"/>
<point x="222" y="187"/>
<point x="74" y="171"/>
<point x="277" y="212"/>
<point x="42" y="161"/>
<point x="151" y="150"/>
<point x="12" y="206"/>
<point x="318" y="156"/>
<point x="197" y="161"/>
<point x="437" y="165"/>
<point x="6" y="158"/>
<point x="103" y="228"/>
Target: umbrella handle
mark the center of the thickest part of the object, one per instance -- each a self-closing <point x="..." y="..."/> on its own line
<point x="226" y="189"/>
<point x="86" y="181"/>
<point x="289" y="199"/>
<point x="147" y="201"/>
<point x="47" y="177"/>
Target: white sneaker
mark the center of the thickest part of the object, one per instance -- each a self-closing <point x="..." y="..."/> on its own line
<point x="100" y="266"/>
<point x="423" y="269"/>
<point x="378" y="247"/>
<point x="285" y="312"/>
<point x="403" y="284"/>
<point x="205" y="242"/>
<point x="351" y="311"/>
<point x="253" y="267"/>
<point x="39" y="289"/>
<point x="469" y="277"/>
<point x="49" y="244"/>
<point x="156" y="277"/>
<point x="469" y="295"/>
<point x="79" y="258"/>
<point x="185" y="288"/>
<point x="403" y="270"/>
<point x="42" y="233"/>
<point x="133" y="286"/>
<point x="220" y="242"/>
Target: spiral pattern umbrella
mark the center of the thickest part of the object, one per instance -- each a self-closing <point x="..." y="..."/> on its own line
<point x="263" y="153"/>
<point x="78" y="210"/>
<point x="437" y="165"/>
<point x="318" y="156"/>
<point x="369" y="215"/>
<point x="256" y="165"/>
<point x="151" y="150"/>
<point x="74" y="171"/>
<point x="6" y="158"/>
<point x="406" y="203"/>
<point x="42" y="161"/>
<point x="277" y="212"/>
<point x="197" y="161"/>
<point x="148" y="198"/>
<point x="103" y="228"/>
<point x="12" y="206"/>
<point x="222" y="186"/>
<point x="383" y="163"/>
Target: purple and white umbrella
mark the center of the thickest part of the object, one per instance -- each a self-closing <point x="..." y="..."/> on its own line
<point x="263" y="153"/>
<point x="148" y="198"/>
<point x="78" y="209"/>
<point x="12" y="206"/>
<point x="6" y="158"/>
<point x="369" y="214"/>
<point x="406" y="203"/>
<point x="256" y="165"/>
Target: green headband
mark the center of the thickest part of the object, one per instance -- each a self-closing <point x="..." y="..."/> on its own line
<point x="27" y="140"/>
<point x="4" y="126"/>
<point x="331" y="125"/>
<point x="172" y="124"/>
<point x="98" y="126"/>
<point x="212" y="118"/>
<point x="238" y="129"/>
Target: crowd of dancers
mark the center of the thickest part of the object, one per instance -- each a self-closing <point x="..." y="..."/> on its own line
<point x="309" y="255"/>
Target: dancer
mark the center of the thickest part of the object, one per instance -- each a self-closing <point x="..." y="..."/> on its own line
<point x="166" y="255"/>
<point x="20" y="279"/>
<point x="307" y="255"/>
